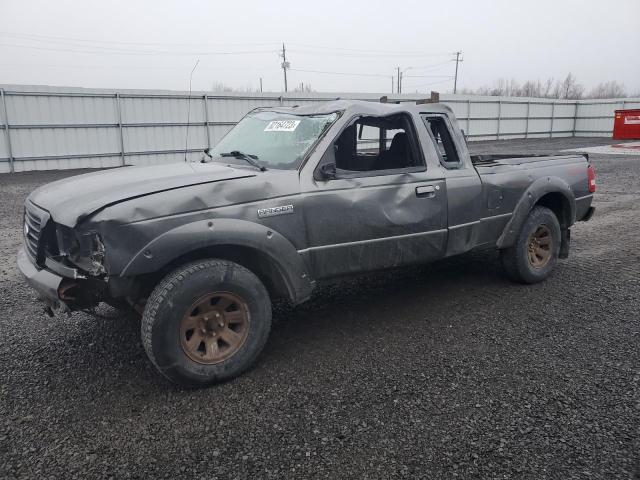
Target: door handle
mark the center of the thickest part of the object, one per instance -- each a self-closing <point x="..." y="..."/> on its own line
<point x="427" y="191"/>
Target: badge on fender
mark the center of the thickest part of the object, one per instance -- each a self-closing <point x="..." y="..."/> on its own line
<point x="273" y="211"/>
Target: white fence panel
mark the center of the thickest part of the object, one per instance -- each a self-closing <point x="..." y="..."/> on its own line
<point x="56" y="127"/>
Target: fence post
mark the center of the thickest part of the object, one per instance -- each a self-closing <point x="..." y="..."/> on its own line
<point x="553" y="114"/>
<point x="120" y="128"/>
<point x="575" y="119"/>
<point x="499" y="117"/>
<point x="526" y="125"/>
<point x="468" y="116"/>
<point x="206" y="119"/>
<point x="6" y="131"/>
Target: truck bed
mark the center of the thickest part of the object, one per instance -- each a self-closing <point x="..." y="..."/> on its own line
<point x="508" y="159"/>
<point x="506" y="178"/>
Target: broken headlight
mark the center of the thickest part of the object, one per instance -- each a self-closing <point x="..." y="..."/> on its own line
<point x="83" y="249"/>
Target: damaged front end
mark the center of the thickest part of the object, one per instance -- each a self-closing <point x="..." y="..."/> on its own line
<point x="84" y="250"/>
<point x="64" y="265"/>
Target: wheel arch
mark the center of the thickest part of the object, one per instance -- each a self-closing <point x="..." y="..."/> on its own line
<point x="560" y="205"/>
<point x="263" y="266"/>
<point x="551" y="192"/>
<point x="265" y="252"/>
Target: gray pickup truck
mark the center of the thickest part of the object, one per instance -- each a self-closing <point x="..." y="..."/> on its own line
<point x="289" y="197"/>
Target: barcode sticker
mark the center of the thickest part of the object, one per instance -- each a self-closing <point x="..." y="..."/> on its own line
<point x="282" y="126"/>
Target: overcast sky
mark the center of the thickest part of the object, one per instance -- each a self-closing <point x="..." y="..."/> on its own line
<point x="154" y="44"/>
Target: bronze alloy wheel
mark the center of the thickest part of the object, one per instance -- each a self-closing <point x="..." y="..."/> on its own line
<point x="539" y="246"/>
<point x="214" y="327"/>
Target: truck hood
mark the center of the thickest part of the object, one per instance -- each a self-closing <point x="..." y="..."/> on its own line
<point x="72" y="199"/>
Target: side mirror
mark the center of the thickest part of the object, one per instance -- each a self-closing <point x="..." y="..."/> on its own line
<point x="328" y="171"/>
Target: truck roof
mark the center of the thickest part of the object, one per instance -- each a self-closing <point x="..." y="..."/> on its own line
<point x="363" y="107"/>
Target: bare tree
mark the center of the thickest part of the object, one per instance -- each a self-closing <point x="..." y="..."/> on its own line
<point x="303" y="88"/>
<point x="223" y="87"/>
<point x="531" y="88"/>
<point x="546" y="91"/>
<point x="610" y="89"/>
<point x="568" y="88"/>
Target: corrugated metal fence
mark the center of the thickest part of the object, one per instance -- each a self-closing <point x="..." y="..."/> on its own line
<point x="55" y="128"/>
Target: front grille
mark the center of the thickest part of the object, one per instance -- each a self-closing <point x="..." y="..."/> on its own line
<point x="34" y="221"/>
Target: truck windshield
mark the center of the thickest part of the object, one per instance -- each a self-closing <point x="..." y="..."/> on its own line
<point x="272" y="140"/>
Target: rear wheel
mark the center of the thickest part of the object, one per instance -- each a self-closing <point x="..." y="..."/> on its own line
<point x="206" y="322"/>
<point x="535" y="253"/>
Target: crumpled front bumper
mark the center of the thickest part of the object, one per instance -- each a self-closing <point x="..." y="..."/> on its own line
<point x="44" y="282"/>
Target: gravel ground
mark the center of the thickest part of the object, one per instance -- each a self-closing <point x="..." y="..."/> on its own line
<point x="434" y="372"/>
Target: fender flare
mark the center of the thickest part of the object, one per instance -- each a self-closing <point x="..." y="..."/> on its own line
<point x="179" y="241"/>
<point x="538" y="189"/>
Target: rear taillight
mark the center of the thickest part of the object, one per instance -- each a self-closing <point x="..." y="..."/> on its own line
<point x="591" y="178"/>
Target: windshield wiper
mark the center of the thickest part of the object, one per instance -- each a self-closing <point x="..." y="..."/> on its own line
<point x="250" y="159"/>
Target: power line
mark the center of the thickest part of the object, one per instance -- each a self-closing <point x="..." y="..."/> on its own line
<point x="383" y="52"/>
<point x="427" y="76"/>
<point x="134" y="52"/>
<point x="362" y="55"/>
<point x="101" y="47"/>
<point x="342" y="73"/>
<point x="430" y="83"/>
<point x="433" y="66"/>
<point x="114" y="42"/>
<point x="133" y="67"/>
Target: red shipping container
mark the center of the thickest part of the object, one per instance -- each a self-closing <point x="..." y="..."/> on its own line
<point x="626" y="125"/>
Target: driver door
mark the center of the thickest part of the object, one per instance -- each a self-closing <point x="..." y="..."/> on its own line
<point x="372" y="215"/>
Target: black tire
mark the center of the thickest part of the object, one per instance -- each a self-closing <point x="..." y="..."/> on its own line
<point x="516" y="260"/>
<point x="174" y="297"/>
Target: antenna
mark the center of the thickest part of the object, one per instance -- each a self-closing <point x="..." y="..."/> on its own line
<point x="186" y="140"/>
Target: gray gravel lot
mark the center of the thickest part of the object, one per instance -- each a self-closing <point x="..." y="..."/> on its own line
<point x="442" y="371"/>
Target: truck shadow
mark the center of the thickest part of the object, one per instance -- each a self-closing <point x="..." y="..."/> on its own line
<point x="394" y="299"/>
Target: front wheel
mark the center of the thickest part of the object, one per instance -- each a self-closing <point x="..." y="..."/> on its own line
<point x="206" y="322"/>
<point x="535" y="253"/>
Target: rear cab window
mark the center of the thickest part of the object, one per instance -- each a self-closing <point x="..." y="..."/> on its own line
<point x="439" y="131"/>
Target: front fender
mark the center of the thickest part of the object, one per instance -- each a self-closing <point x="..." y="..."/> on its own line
<point x="228" y="232"/>
<point x="538" y="189"/>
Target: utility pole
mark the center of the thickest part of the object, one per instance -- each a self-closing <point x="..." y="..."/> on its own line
<point x="399" y="89"/>
<point x="455" y="80"/>
<point x="260" y="84"/>
<point x="285" y="65"/>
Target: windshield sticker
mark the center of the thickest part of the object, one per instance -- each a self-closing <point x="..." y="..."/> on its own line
<point x="282" y="126"/>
